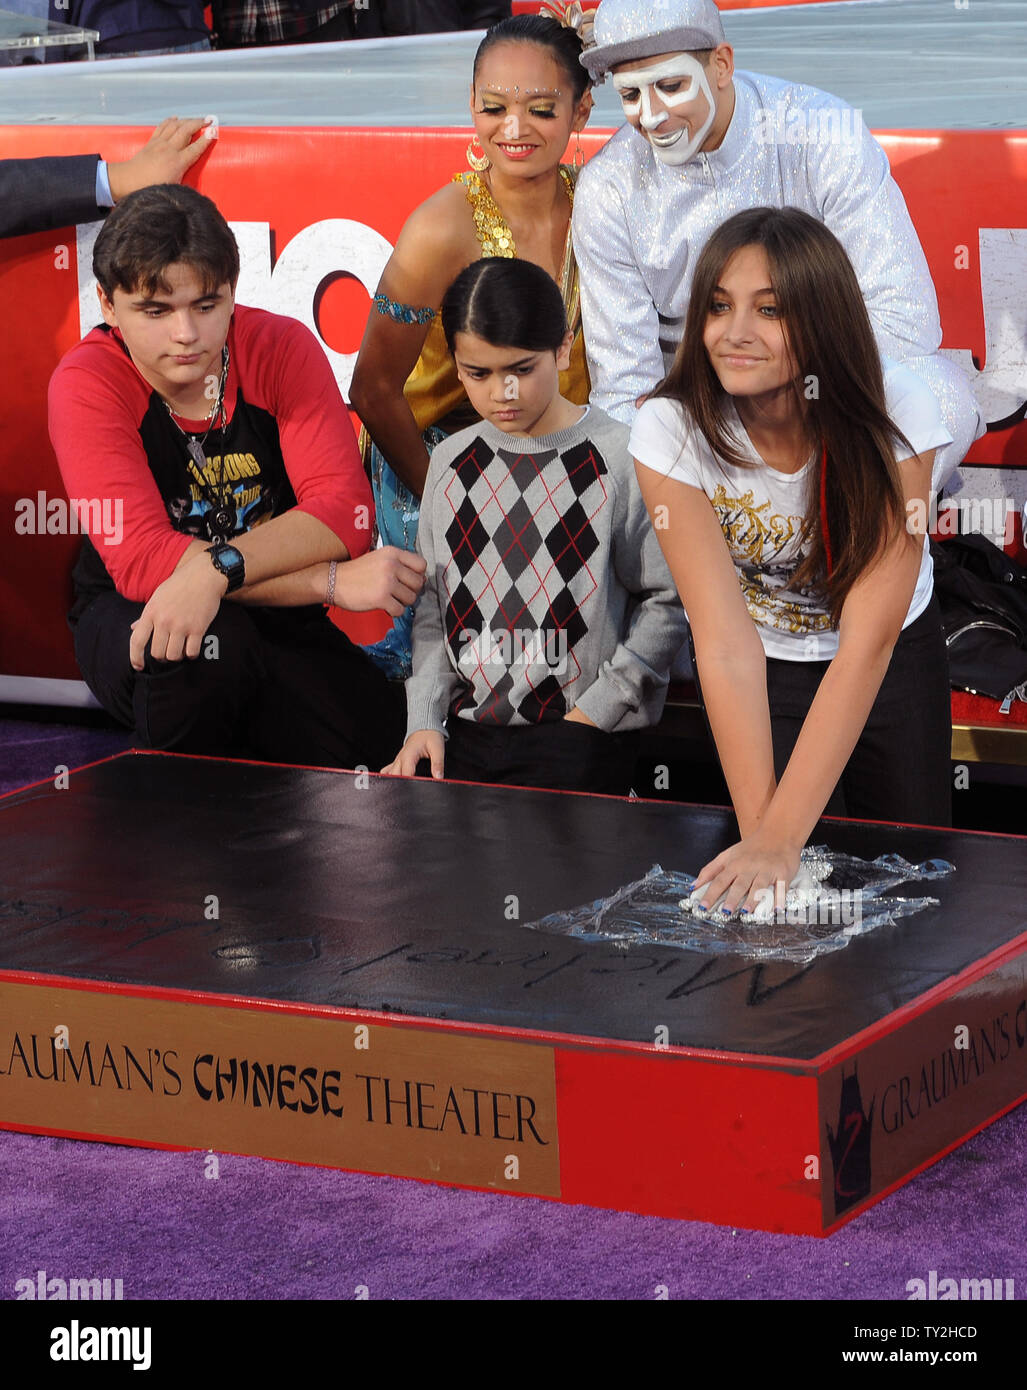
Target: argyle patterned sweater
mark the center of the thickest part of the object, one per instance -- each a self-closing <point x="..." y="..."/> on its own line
<point x="546" y="588"/>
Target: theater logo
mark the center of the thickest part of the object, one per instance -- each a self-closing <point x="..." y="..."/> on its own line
<point x="931" y="1079"/>
<point x="850" y="1147"/>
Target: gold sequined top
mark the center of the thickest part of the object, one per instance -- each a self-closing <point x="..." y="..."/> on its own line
<point x="433" y="390"/>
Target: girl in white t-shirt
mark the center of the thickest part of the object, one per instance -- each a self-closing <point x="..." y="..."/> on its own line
<point x="779" y="460"/>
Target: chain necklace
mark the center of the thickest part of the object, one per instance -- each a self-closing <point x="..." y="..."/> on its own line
<point x="221" y="518"/>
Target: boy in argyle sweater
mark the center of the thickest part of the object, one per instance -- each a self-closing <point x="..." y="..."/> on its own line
<point x="544" y="636"/>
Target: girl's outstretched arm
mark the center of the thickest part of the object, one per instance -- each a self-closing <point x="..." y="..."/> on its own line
<point x="729" y="653"/>
<point x="870" y="624"/>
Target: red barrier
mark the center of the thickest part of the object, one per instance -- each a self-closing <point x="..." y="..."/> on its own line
<point x="535" y="6"/>
<point x="317" y="209"/>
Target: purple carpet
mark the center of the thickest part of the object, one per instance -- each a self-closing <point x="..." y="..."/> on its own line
<point x="155" y="1221"/>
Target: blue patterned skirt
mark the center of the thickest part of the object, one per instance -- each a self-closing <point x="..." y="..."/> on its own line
<point x="396" y="512"/>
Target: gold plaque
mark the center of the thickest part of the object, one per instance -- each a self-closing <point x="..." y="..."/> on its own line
<point x="314" y="1087"/>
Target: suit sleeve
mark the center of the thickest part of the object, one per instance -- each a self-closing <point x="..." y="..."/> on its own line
<point x="38" y="194"/>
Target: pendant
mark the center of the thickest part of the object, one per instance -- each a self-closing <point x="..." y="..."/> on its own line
<point x="221" y="519"/>
<point x="197" y="455"/>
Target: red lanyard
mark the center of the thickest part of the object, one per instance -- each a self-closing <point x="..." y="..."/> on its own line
<point x="823" y="511"/>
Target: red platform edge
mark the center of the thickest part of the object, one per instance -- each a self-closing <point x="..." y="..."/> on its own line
<point x="668" y="1131"/>
<point x="747" y="1176"/>
<point x="535" y="6"/>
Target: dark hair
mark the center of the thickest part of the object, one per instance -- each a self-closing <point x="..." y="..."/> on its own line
<point x="562" y="42"/>
<point x="828" y="331"/>
<point x="164" y="225"/>
<point x="507" y="303"/>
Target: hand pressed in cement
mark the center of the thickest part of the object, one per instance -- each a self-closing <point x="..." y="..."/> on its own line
<point x="814" y="868"/>
<point x="652" y="911"/>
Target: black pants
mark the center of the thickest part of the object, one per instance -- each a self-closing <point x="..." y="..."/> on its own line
<point x="386" y="18"/>
<point x="562" y="755"/>
<point x="278" y="685"/>
<point x="343" y="26"/>
<point x="900" y="770"/>
<point x="438" y="16"/>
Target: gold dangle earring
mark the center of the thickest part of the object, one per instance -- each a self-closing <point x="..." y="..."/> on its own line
<point x="579" y="153"/>
<point x="478" y="162"/>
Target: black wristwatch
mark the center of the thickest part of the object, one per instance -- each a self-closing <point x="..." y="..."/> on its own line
<point x="229" y="562"/>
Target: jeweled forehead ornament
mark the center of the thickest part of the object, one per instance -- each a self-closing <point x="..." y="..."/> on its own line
<point x="678" y="146"/>
<point x="529" y="92"/>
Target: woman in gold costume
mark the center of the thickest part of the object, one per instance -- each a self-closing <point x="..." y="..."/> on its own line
<point x="529" y="95"/>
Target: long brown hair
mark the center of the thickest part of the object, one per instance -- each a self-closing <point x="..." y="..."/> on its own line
<point x="838" y="384"/>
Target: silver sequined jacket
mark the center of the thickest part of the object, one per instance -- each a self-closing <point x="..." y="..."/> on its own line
<point x="640" y="225"/>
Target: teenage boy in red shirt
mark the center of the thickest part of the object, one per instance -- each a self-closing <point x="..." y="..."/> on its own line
<point x="216" y="474"/>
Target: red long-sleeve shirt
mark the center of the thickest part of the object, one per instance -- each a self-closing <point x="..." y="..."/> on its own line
<point x="107" y="428"/>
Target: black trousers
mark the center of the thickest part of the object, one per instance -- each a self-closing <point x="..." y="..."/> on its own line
<point x="385" y="18"/>
<point x="438" y="16"/>
<point x="562" y="755"/>
<point x="900" y="770"/>
<point x="278" y="685"/>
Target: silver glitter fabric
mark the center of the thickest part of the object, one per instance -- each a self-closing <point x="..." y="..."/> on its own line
<point x="650" y="912"/>
<point x="639" y="227"/>
<point x="627" y="29"/>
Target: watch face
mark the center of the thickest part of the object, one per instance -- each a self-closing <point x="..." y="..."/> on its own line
<point x="230" y="563"/>
<point x="230" y="557"/>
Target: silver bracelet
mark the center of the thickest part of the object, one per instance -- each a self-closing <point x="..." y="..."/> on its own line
<point x="330" y="595"/>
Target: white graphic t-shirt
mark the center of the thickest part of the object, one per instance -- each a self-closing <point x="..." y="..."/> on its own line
<point x="761" y="511"/>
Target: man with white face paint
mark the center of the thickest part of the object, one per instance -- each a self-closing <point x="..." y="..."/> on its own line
<point x="652" y="94"/>
<point x="704" y="141"/>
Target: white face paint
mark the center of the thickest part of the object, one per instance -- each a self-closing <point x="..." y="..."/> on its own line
<point x="674" y="147"/>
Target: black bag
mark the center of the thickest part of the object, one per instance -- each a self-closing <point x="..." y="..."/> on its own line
<point x="983" y="599"/>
